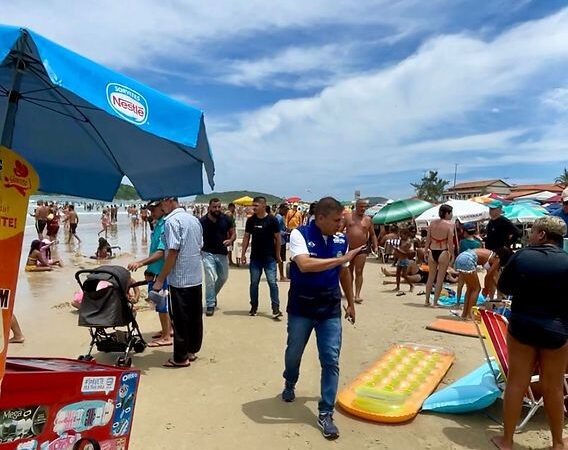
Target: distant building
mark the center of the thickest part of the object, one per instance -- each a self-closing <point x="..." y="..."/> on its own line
<point x="535" y="191"/>
<point x="464" y="191"/>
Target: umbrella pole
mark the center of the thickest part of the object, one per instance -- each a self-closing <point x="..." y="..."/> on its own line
<point x="13" y="100"/>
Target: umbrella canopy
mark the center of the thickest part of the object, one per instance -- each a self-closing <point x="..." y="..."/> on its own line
<point x="555" y="199"/>
<point x="523" y="212"/>
<point x="463" y="210"/>
<point x="374" y="210"/>
<point x="400" y="211"/>
<point x="293" y="199"/>
<point x="244" y="201"/>
<point x="83" y="127"/>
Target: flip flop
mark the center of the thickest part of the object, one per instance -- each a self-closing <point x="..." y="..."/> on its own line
<point x="399" y="294"/>
<point x="192" y="358"/>
<point x="358" y="301"/>
<point x="160" y="343"/>
<point x="16" y="341"/>
<point x="170" y="363"/>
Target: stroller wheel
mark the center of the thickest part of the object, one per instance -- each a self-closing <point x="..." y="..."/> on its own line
<point x="124" y="362"/>
<point x="139" y="346"/>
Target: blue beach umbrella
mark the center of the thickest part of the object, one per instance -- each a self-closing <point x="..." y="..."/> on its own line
<point x="83" y="127"/>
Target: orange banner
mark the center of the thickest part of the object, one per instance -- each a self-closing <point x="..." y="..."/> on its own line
<point x="18" y="181"/>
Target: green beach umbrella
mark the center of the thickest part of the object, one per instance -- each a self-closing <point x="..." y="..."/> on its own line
<point x="400" y="210"/>
<point x="523" y="212"/>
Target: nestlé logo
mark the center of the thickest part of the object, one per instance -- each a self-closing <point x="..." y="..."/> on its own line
<point x="127" y="103"/>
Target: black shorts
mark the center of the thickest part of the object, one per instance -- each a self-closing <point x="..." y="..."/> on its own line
<point x="283" y="252"/>
<point x="40" y="225"/>
<point x="423" y="276"/>
<point x="549" y="334"/>
<point x="73" y="228"/>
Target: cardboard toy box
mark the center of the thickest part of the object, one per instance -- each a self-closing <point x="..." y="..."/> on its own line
<point x="64" y="404"/>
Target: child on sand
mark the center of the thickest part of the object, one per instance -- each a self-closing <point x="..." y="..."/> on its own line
<point x="403" y="253"/>
<point x="104" y="250"/>
<point x="36" y="261"/>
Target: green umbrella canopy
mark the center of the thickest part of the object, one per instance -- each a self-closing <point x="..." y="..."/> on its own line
<point x="400" y="211"/>
<point x="523" y="212"/>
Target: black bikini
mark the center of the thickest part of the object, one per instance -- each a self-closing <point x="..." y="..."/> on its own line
<point x="436" y="253"/>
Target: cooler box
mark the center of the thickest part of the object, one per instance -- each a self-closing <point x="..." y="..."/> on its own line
<point x="64" y="404"/>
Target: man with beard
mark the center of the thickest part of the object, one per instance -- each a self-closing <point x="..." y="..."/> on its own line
<point x="218" y="234"/>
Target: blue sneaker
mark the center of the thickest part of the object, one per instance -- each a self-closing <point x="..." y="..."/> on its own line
<point x="288" y="394"/>
<point x="328" y="428"/>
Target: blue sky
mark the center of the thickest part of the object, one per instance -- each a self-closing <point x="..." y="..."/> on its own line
<point x="322" y="97"/>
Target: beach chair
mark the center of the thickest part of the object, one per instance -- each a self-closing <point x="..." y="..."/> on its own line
<point x="493" y="327"/>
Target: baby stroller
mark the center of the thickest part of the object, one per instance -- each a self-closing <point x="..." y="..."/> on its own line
<point x="105" y="305"/>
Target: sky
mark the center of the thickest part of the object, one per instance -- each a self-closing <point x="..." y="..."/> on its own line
<point x="325" y="97"/>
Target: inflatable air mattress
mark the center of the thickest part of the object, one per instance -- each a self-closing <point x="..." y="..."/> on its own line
<point x="395" y="386"/>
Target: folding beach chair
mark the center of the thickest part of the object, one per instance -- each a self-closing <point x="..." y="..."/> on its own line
<point x="493" y="327"/>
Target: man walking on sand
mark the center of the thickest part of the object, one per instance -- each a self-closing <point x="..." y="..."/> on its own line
<point x="320" y="260"/>
<point x="184" y="238"/>
<point x="73" y="220"/>
<point x="218" y="234"/>
<point x="265" y="254"/>
<point x="40" y="214"/>
<point x="359" y="228"/>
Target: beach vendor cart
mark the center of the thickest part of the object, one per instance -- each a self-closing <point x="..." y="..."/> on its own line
<point x="71" y="126"/>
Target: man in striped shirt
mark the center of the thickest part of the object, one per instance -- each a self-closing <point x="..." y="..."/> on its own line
<point x="184" y="238"/>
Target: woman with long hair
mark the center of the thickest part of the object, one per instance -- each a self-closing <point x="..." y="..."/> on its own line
<point x="440" y="251"/>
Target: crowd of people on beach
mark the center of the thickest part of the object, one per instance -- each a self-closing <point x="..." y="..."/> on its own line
<point x="321" y="250"/>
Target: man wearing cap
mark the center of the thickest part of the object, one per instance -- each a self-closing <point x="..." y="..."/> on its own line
<point x="563" y="211"/>
<point x="183" y="237"/>
<point x="218" y="235"/>
<point x="501" y="232"/>
<point x="155" y="263"/>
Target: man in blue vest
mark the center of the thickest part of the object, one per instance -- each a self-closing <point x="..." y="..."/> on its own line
<point x="320" y="261"/>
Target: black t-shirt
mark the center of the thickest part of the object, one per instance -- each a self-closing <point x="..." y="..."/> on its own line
<point x="214" y="233"/>
<point x="498" y="232"/>
<point x="537" y="278"/>
<point x="262" y="232"/>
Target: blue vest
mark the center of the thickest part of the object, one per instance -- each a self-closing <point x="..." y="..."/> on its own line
<point x="317" y="294"/>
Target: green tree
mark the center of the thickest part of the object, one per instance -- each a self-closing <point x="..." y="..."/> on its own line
<point x="431" y="187"/>
<point x="563" y="178"/>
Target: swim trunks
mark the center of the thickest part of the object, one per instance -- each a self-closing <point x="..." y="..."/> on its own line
<point x="40" y="225"/>
<point x="538" y="332"/>
<point x="403" y="263"/>
<point x="73" y="228"/>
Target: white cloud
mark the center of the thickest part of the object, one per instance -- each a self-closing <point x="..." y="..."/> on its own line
<point x="372" y="124"/>
<point x="307" y="66"/>
<point x="130" y="33"/>
<point x="556" y="98"/>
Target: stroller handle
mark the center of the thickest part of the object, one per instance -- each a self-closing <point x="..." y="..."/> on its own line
<point x="106" y="272"/>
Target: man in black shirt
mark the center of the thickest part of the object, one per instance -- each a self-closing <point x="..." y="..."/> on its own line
<point x="265" y="253"/>
<point x="501" y="232"/>
<point x="218" y="234"/>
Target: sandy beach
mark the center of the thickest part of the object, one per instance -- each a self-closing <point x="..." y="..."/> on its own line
<point x="229" y="398"/>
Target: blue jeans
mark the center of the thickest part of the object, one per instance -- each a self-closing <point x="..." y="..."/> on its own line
<point x="328" y="337"/>
<point x="216" y="268"/>
<point x="256" y="267"/>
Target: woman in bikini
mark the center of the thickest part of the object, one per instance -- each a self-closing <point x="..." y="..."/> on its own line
<point x="36" y="262"/>
<point x="440" y="250"/>
<point x="466" y="264"/>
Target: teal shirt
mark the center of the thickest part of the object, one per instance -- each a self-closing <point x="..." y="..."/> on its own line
<point x="157" y="243"/>
<point x="469" y="244"/>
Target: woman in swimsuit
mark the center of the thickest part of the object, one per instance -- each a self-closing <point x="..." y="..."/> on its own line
<point x="537" y="279"/>
<point x="466" y="264"/>
<point x="36" y="261"/>
<point x="440" y="248"/>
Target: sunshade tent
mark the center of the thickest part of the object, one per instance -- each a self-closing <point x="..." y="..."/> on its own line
<point x="243" y="201"/>
<point x="67" y="114"/>
<point x="523" y="212"/>
<point x="463" y="210"/>
<point x="83" y="128"/>
<point x="373" y="210"/>
<point x="400" y="211"/>
<point x="293" y="199"/>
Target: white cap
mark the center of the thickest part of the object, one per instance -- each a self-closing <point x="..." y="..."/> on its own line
<point x="564" y="195"/>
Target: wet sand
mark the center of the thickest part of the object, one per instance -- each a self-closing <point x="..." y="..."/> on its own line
<point x="229" y="397"/>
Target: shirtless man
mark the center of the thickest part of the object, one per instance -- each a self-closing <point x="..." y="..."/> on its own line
<point x="358" y="228"/>
<point x="73" y="219"/>
<point x="40" y="214"/>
